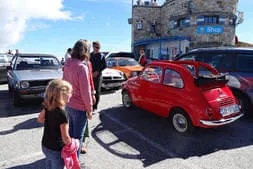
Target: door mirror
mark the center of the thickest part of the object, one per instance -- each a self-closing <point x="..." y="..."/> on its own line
<point x="9" y="68"/>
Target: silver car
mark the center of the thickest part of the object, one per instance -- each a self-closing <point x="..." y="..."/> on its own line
<point x="29" y="74"/>
<point x="4" y="63"/>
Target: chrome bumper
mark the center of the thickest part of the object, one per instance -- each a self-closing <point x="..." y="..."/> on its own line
<point x="220" y="122"/>
<point x="111" y="85"/>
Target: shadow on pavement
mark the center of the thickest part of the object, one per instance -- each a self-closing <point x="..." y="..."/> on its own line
<point x="40" y="164"/>
<point x="28" y="124"/>
<point x="111" y="91"/>
<point x="35" y="165"/>
<point x="151" y="138"/>
<point x="28" y="106"/>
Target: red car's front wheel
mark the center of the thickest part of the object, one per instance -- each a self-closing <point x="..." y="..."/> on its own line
<point x="126" y="99"/>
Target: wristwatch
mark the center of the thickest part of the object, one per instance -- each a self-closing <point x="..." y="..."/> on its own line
<point x="93" y="92"/>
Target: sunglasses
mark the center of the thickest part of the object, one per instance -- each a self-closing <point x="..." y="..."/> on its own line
<point x="96" y="47"/>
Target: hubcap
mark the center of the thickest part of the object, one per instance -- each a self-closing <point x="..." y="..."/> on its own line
<point x="180" y="123"/>
<point x="126" y="100"/>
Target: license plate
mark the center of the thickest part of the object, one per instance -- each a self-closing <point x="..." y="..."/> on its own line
<point x="227" y="110"/>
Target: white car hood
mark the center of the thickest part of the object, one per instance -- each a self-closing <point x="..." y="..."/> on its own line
<point x="108" y="72"/>
<point x="30" y="75"/>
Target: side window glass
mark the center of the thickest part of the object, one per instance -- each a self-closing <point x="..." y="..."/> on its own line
<point x="204" y="72"/>
<point x="245" y="62"/>
<point x="227" y="63"/>
<point x="152" y="74"/>
<point x="190" y="68"/>
<point x="189" y="57"/>
<point x="222" y="62"/>
<point x="173" y="79"/>
<point x="212" y="59"/>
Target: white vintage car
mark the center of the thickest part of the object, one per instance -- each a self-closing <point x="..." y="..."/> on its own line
<point x="112" y="79"/>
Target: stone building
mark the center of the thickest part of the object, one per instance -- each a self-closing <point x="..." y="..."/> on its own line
<point x="179" y="25"/>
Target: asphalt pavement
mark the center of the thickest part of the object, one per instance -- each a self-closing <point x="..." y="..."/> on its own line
<point x="126" y="139"/>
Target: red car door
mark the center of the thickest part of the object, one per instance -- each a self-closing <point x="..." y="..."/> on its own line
<point x="150" y="81"/>
<point x="169" y="92"/>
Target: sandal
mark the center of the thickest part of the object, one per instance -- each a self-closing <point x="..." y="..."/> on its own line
<point x="83" y="149"/>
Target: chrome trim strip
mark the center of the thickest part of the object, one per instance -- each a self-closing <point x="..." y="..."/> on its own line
<point x="220" y="122"/>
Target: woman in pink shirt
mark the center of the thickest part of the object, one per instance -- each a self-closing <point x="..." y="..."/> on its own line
<point x="77" y="74"/>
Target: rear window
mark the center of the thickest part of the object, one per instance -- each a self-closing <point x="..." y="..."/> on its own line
<point x="245" y="62"/>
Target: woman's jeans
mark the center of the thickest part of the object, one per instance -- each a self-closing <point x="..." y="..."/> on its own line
<point x="53" y="159"/>
<point x="77" y="125"/>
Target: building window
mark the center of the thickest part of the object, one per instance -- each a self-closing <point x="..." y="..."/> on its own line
<point x="232" y="21"/>
<point x="185" y="5"/>
<point x="180" y="22"/>
<point x="139" y="26"/>
<point x="153" y="28"/>
<point x="211" y="19"/>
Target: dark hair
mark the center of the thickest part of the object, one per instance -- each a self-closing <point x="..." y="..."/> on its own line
<point x="69" y="49"/>
<point x="81" y="49"/>
<point x="96" y="43"/>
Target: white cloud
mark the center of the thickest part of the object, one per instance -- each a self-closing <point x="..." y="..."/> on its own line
<point x="37" y="26"/>
<point x="14" y="15"/>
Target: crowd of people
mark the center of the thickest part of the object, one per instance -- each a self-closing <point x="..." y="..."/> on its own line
<point x="10" y="52"/>
<point x="70" y="102"/>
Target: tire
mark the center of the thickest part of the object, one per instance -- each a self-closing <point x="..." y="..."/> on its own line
<point x="126" y="99"/>
<point x="181" y="121"/>
<point x="16" y="99"/>
<point x="243" y="101"/>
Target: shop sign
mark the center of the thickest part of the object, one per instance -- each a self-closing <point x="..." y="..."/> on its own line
<point x="210" y="30"/>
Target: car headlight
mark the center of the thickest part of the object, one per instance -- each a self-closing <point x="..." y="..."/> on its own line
<point x="134" y="74"/>
<point x="122" y="75"/>
<point x="24" y="84"/>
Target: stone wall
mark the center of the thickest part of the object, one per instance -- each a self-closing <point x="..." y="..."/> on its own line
<point x="145" y="15"/>
<point x="166" y="15"/>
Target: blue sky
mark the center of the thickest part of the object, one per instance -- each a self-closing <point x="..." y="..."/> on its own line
<point x="52" y="26"/>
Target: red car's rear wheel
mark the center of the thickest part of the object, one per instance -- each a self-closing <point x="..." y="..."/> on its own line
<point x="181" y="121"/>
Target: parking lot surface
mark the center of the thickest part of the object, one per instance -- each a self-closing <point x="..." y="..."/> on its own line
<point x="122" y="138"/>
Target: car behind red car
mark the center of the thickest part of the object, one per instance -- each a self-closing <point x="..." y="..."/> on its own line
<point x="189" y="93"/>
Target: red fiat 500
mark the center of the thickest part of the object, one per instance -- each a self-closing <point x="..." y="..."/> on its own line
<point x="188" y="93"/>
